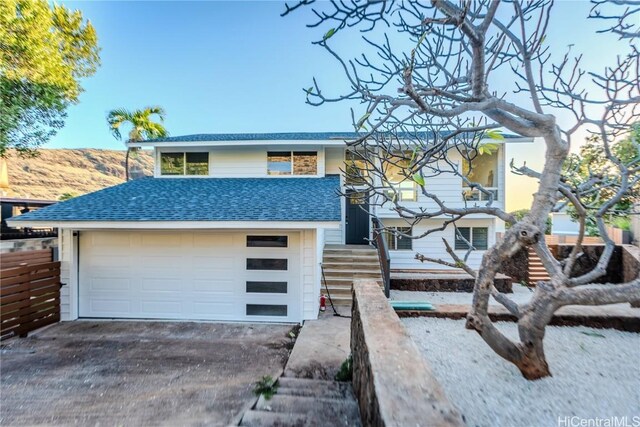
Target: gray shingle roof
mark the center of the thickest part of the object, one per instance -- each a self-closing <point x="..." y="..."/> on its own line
<point x="282" y="136"/>
<point x="203" y="199"/>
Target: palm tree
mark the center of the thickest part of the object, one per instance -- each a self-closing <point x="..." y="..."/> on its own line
<point x="142" y="124"/>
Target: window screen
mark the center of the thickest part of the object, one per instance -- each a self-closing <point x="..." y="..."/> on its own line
<point x="197" y="164"/>
<point x="172" y="163"/>
<point x="398" y="243"/>
<point x="478" y="236"/>
<point x="305" y="163"/>
<point x="266" y="310"/>
<point x="267" y="241"/>
<point x="279" y="163"/>
<point x="266" y="264"/>
<point x="267" y="287"/>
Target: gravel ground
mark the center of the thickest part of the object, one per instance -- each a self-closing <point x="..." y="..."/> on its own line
<point x="594" y="376"/>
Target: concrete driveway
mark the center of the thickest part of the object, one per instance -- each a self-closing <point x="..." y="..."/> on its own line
<point x="137" y="373"/>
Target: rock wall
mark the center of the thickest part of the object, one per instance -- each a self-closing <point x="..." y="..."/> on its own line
<point x="589" y="259"/>
<point x="631" y="266"/>
<point x="429" y="282"/>
<point x="393" y="383"/>
<point x="19" y="245"/>
<point x="517" y="267"/>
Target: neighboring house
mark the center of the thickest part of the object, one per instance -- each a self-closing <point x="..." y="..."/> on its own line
<point x="11" y="207"/>
<point x="233" y="227"/>
<point x="563" y="225"/>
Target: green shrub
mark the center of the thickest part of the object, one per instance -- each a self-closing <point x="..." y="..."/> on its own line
<point x="266" y="387"/>
<point x="346" y="370"/>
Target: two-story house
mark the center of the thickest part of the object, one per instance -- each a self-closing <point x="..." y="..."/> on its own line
<point x="234" y="226"/>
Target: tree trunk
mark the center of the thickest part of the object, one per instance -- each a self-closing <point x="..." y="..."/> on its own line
<point x="126" y="165"/>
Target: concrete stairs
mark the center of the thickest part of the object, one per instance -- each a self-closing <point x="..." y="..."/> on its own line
<point x="537" y="271"/>
<point x="301" y="402"/>
<point x="342" y="264"/>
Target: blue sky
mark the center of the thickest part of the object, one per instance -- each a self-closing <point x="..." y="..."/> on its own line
<point x="232" y="67"/>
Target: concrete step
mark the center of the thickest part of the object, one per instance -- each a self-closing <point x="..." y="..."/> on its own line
<point x="332" y="412"/>
<point x="350" y="258"/>
<point x="254" y="418"/>
<point x="338" y="281"/>
<point x="337" y="290"/>
<point x="314" y="388"/>
<point x="359" y="273"/>
<point x="350" y="252"/>
<point x="351" y="265"/>
<point x="340" y="300"/>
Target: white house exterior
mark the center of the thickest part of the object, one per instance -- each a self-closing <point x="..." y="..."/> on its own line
<point x="232" y="227"/>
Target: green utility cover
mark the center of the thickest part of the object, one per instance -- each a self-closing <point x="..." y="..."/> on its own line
<point x="409" y="305"/>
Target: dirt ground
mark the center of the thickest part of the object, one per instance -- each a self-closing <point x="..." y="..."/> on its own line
<point x="137" y="373"/>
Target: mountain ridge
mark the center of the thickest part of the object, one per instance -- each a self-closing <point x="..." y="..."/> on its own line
<point x="55" y="172"/>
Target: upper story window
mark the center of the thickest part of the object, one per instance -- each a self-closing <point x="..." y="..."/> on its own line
<point x="184" y="163"/>
<point x="292" y="163"/>
<point x="355" y="170"/>
<point x="396" y="169"/>
<point x="482" y="169"/>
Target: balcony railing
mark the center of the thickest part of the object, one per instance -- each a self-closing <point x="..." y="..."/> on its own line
<point x="475" y="195"/>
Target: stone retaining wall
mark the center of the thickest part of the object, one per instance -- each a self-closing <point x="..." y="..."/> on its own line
<point x="589" y="259"/>
<point x="19" y="245"/>
<point x="392" y="381"/>
<point x="631" y="266"/>
<point x="454" y="282"/>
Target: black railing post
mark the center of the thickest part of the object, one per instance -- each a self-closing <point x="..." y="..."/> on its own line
<point x="383" y="255"/>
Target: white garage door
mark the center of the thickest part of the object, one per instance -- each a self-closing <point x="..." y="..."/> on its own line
<point x="190" y="275"/>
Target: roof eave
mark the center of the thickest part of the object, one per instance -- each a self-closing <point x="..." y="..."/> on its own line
<point x="175" y="225"/>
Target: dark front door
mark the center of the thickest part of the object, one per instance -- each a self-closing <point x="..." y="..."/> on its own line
<point x="357" y="220"/>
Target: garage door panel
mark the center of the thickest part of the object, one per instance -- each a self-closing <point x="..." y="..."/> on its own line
<point x="109" y="284"/>
<point x="174" y="286"/>
<point x="182" y="275"/>
<point x="160" y="240"/>
<point x="109" y="240"/>
<point x="209" y="264"/>
<point x="214" y="286"/>
<point x="207" y="241"/>
<point x="110" y="306"/>
<point x="205" y="308"/>
<point x="159" y="308"/>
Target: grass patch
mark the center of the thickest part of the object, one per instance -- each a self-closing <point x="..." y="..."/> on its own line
<point x="266" y="387"/>
<point x="346" y="370"/>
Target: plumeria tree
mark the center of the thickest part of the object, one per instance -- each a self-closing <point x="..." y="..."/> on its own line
<point x="431" y="85"/>
<point x="142" y="124"/>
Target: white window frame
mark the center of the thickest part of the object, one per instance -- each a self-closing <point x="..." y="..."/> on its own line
<point x="184" y="167"/>
<point x="394" y="238"/>
<point x="292" y="162"/>
<point x="473" y="248"/>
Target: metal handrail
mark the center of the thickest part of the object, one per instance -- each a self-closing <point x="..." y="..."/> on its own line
<point x="383" y="254"/>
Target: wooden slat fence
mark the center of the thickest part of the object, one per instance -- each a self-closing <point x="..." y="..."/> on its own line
<point x="15" y="259"/>
<point x="29" y="298"/>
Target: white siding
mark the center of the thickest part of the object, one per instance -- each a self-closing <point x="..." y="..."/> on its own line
<point x="240" y="162"/>
<point x="66" y="253"/>
<point x="334" y="160"/>
<point x="310" y="278"/>
<point x="562" y="223"/>
<point x="334" y="236"/>
<point x="433" y="247"/>
<point x="448" y="187"/>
